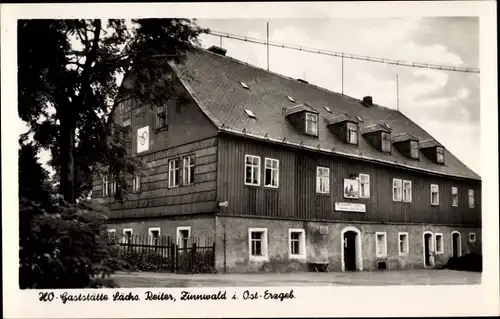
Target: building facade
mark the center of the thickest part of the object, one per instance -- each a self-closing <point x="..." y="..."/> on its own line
<point x="283" y="174"/>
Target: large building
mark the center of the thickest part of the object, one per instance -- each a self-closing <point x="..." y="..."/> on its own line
<point x="281" y="174"/>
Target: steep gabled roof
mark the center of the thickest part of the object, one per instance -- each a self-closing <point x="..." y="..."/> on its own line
<point x="214" y="82"/>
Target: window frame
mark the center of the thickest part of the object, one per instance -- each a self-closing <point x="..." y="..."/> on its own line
<point x="126" y="239"/>
<point x="178" y="233"/>
<point x="414" y="147"/>
<point x="136" y="183"/>
<point x="264" y="247"/>
<point x="161" y="114"/>
<point x="319" y="178"/>
<point x="367" y="195"/>
<point x="309" y="118"/>
<point x="437" y="197"/>
<point x="469" y="237"/>
<point x="350" y="130"/>
<point x="440" y="151"/>
<point x="272" y="169"/>
<point x="186" y="170"/>
<point x="170" y="170"/>
<point x="470" y="194"/>
<point x="406" y="200"/>
<point x="400" y="198"/>
<point x="252" y="166"/>
<point x="377" y="252"/>
<point x="454" y="195"/>
<point x="441" y="243"/>
<point x="150" y="235"/>
<point x="406" y="244"/>
<point x="105" y="185"/>
<point x="302" y="243"/>
<point x="385" y="141"/>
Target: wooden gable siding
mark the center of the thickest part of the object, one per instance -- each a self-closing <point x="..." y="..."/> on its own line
<point x="296" y="196"/>
<point x="155" y="197"/>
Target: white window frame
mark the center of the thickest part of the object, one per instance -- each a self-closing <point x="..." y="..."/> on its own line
<point x="265" y="249"/>
<point x="438" y="154"/>
<point x="277" y="169"/>
<point x="255" y="169"/>
<point x="398" y="188"/>
<point x="112" y="183"/>
<point x="454" y="194"/>
<point x="150" y="235"/>
<point x="105" y="185"/>
<point x="124" y="231"/>
<point x="313" y="118"/>
<point x="441" y="242"/>
<point x="171" y="172"/>
<point x="302" y="243"/>
<point x="378" y="253"/>
<point x="186" y="170"/>
<point x="406" y="244"/>
<point x="178" y="233"/>
<point x="367" y="183"/>
<point x="472" y="240"/>
<point x="136" y="183"/>
<point x="385" y="142"/>
<point x="408" y="199"/>
<point x="414" y="148"/>
<point x="436" y="186"/>
<point x="324" y="177"/>
<point x="351" y="127"/>
<point x="470" y="196"/>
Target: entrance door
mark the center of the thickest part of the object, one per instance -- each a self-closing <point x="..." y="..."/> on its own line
<point x="455" y="240"/>
<point x="427" y="249"/>
<point x="350" y="250"/>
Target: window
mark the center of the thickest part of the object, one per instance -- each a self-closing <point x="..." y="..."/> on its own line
<point x="439" y="244"/>
<point x="311" y="124"/>
<point x="136" y="183"/>
<point x="403" y="243"/>
<point x="127" y="235"/>
<point x="322" y="180"/>
<point x="407" y="191"/>
<point x="291" y="99"/>
<point x="328" y="109"/>
<point x="105" y="185"/>
<point x="250" y="113"/>
<point x="161" y="117"/>
<point x="271" y="173"/>
<point x="454" y="196"/>
<point x="381" y="241"/>
<point x="472" y="237"/>
<point x="386" y="142"/>
<point x="440" y="155"/>
<point x="257" y="242"/>
<point x="183" y="235"/>
<point x="112" y="235"/>
<point x="244" y="85"/>
<point x="434" y="194"/>
<point x="252" y="170"/>
<point x="414" y="149"/>
<point x="188" y="170"/>
<point x="297" y="243"/>
<point x="471" y="198"/>
<point x="364" y="185"/>
<point x="173" y="172"/>
<point x="154" y="235"/>
<point x="352" y="133"/>
<point x="396" y="189"/>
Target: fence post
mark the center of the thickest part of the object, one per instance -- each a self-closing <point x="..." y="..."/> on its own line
<point x="213" y="252"/>
<point x="172" y="256"/>
<point x="176" y="257"/>
<point x="193" y="254"/>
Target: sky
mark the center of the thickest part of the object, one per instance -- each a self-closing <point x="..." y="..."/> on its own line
<point x="446" y="104"/>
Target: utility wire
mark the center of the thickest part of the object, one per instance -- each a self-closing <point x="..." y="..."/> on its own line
<point x="344" y="55"/>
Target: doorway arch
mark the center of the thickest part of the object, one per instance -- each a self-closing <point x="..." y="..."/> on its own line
<point x="351" y="249"/>
<point x="428" y="248"/>
<point x="456" y="244"/>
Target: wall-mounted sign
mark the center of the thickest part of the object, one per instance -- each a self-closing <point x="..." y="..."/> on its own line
<point x="143" y="139"/>
<point x="350" y="207"/>
<point x="351" y="188"/>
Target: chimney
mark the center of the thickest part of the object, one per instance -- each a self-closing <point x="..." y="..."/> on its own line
<point x="368" y="101"/>
<point x="217" y="50"/>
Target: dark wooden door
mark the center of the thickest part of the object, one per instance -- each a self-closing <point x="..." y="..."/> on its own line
<point x="427" y="249"/>
<point x="350" y="251"/>
<point x="455" y="241"/>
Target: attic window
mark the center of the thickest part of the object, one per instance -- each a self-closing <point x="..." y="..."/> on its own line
<point x="440" y="155"/>
<point x="359" y="118"/>
<point x="312" y="124"/>
<point x="352" y="133"/>
<point x="291" y="99"/>
<point x="414" y="149"/>
<point x="244" y="85"/>
<point x="250" y="113"/>
<point x="386" y="142"/>
<point x="328" y="109"/>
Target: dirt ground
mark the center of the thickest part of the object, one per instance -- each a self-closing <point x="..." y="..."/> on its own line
<point x="364" y="278"/>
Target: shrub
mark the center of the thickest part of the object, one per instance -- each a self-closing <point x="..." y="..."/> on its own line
<point x="144" y="260"/>
<point x="468" y="262"/>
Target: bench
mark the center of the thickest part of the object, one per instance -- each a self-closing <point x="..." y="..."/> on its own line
<point x="319" y="266"/>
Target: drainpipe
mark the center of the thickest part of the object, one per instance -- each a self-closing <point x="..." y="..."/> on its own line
<point x="225" y="270"/>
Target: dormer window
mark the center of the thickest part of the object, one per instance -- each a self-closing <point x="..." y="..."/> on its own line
<point x="386" y="142"/>
<point x="352" y="133"/>
<point x="311" y="124"/>
<point x="414" y="149"/>
<point x="440" y="155"/>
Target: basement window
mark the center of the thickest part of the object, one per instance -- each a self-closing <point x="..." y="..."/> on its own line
<point x="250" y="114"/>
<point x="291" y="99"/>
<point x="244" y="85"/>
